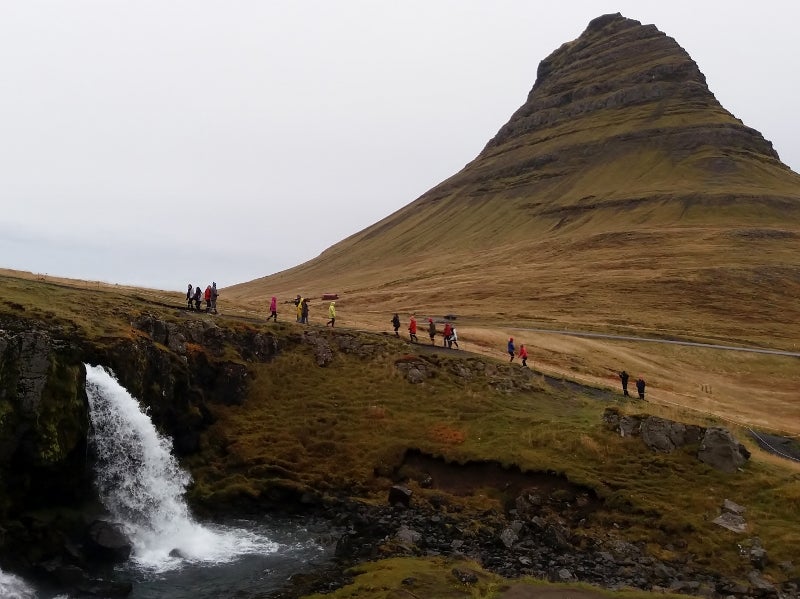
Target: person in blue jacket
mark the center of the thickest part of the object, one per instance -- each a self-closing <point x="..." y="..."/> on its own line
<point x="511" y="348"/>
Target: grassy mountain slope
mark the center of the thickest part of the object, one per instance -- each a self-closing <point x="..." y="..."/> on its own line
<point x="620" y="194"/>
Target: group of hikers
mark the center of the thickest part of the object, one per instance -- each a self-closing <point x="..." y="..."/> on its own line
<point x="640" y="384"/>
<point x="523" y="353"/>
<point x="195" y="297"/>
<point x="301" y="305"/>
<point x="449" y="333"/>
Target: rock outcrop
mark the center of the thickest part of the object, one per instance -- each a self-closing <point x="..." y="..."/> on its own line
<point x="46" y="491"/>
<point x="717" y="446"/>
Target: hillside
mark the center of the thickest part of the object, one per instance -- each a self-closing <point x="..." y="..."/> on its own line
<point x="620" y="194"/>
<point x="507" y="474"/>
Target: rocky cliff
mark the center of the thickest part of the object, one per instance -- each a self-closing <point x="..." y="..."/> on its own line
<point x="47" y="499"/>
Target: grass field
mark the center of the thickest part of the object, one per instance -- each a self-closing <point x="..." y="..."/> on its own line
<point x="334" y="428"/>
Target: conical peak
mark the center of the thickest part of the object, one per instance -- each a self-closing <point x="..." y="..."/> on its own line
<point x="617" y="63"/>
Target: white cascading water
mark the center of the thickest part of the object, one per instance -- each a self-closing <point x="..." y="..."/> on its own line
<point x="142" y="485"/>
<point x="13" y="587"/>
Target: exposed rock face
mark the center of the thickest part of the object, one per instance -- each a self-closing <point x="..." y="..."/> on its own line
<point x="620" y="91"/>
<point x="45" y="464"/>
<point x="618" y="63"/>
<point x="108" y="542"/>
<point x="722" y="451"/>
<point x="42" y="408"/>
<point x="43" y="418"/>
<point x="717" y="446"/>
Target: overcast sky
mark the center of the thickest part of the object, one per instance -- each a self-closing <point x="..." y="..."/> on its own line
<point x="161" y="142"/>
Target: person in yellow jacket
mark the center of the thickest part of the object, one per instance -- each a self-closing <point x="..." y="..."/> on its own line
<point x="331" y="314"/>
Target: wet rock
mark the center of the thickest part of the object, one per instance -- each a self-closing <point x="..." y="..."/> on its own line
<point x="106" y="541"/>
<point x="108" y="588"/>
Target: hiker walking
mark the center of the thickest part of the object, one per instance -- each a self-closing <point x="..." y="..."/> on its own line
<point x="623" y="376"/>
<point x="297" y="301"/>
<point x="640" y="385"/>
<point x="207" y="297"/>
<point x="304" y="311"/>
<point x="214" y="296"/>
<point x="510" y="348"/>
<point x="189" y="296"/>
<point x="412" y="330"/>
<point x="396" y="324"/>
<point x="523" y="354"/>
<point x="198" y="297"/>
<point x="331" y="315"/>
<point x="431" y="330"/>
<point x="453" y="338"/>
<point x="273" y="309"/>
<point x="446" y="334"/>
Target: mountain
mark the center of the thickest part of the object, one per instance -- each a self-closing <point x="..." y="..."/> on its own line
<point x="621" y="193"/>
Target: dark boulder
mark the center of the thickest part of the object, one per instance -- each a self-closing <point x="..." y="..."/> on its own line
<point x="106" y="542"/>
<point x="400" y="495"/>
<point x="719" y="449"/>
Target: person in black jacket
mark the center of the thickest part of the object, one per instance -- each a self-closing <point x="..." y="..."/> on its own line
<point x="623" y="376"/>
<point x="396" y="324"/>
<point x="640" y="385"/>
<point x="198" y="298"/>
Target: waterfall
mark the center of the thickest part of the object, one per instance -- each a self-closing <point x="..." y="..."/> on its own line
<point x="13" y="587"/>
<point x="142" y="485"/>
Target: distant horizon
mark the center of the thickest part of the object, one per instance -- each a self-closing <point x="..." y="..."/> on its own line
<point x="239" y="143"/>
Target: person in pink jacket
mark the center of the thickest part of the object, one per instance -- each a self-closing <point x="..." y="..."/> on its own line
<point x="273" y="309"/>
<point x="523" y="353"/>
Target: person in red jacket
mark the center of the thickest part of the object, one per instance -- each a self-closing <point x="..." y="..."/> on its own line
<point x="448" y="328"/>
<point x="273" y="309"/>
<point x="412" y="329"/>
<point x="523" y="354"/>
<point x="207" y="298"/>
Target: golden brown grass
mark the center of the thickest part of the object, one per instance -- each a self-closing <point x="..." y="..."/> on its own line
<point x="334" y="428"/>
<point x="682" y="292"/>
